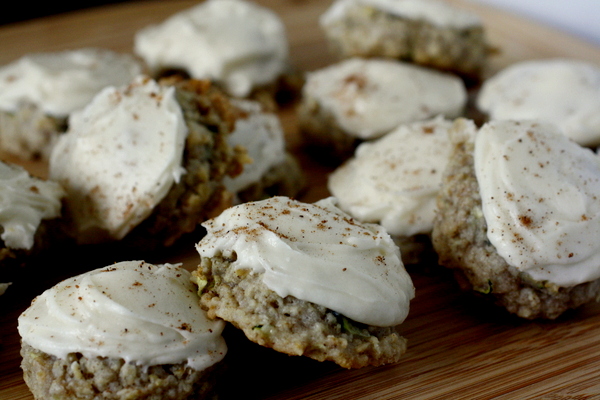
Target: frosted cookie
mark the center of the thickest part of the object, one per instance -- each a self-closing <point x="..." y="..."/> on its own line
<point x="394" y="181"/>
<point x="564" y="92"/>
<point x="363" y="99"/>
<point x="306" y="280"/>
<point x="130" y="330"/>
<point x="238" y="44"/>
<point x="30" y="214"/>
<point x="146" y="161"/>
<point x="40" y="90"/>
<point x="427" y="32"/>
<point x="518" y="217"/>
<point x="271" y="169"/>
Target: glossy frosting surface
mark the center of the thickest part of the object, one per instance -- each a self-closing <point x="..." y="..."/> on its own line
<point x="237" y="43"/>
<point x="120" y="157"/>
<point x="62" y="82"/>
<point x="540" y="194"/>
<point x="316" y="253"/>
<point x="143" y="313"/>
<point x="370" y="97"/>
<point x="561" y="91"/>
<point x="24" y="202"/>
<point x="394" y="180"/>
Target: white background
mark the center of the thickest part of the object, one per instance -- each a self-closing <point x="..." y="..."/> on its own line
<point x="579" y="17"/>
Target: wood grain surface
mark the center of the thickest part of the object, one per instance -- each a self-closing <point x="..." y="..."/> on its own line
<point x="458" y="349"/>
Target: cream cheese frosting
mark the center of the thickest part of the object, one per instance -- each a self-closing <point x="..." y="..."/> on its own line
<point x="142" y="313"/>
<point x="370" y="97"/>
<point x="261" y="134"/>
<point x="234" y="42"/>
<point x="394" y="180"/>
<point x="61" y="82"/>
<point x="24" y="202"/>
<point x="539" y="193"/>
<point x="435" y="12"/>
<point x="565" y="92"/>
<point x="317" y="253"/>
<point x="120" y="157"/>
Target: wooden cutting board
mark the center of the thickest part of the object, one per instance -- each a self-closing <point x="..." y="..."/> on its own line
<point x="458" y="349"/>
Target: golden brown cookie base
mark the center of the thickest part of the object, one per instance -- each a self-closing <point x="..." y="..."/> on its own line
<point x="290" y="325"/>
<point x="77" y="377"/>
<point x="367" y="32"/>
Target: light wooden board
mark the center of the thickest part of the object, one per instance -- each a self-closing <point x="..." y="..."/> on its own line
<point x="458" y="349"/>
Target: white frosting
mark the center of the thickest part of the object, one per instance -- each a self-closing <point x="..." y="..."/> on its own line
<point x="540" y="194"/>
<point x="317" y="253"/>
<point x="370" y="97"/>
<point x="234" y="42"/>
<point x="24" y="202"/>
<point x="435" y="12"/>
<point x="394" y="180"/>
<point x="261" y="134"/>
<point x="61" y="82"/>
<point x="561" y="91"/>
<point x="145" y="314"/>
<point x="120" y="157"/>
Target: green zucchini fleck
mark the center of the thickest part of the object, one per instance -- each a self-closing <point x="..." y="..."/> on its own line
<point x="350" y="326"/>
<point x="488" y="289"/>
<point x="201" y="283"/>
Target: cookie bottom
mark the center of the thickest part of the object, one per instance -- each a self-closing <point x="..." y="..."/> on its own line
<point x="290" y="325"/>
<point x="79" y="377"/>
